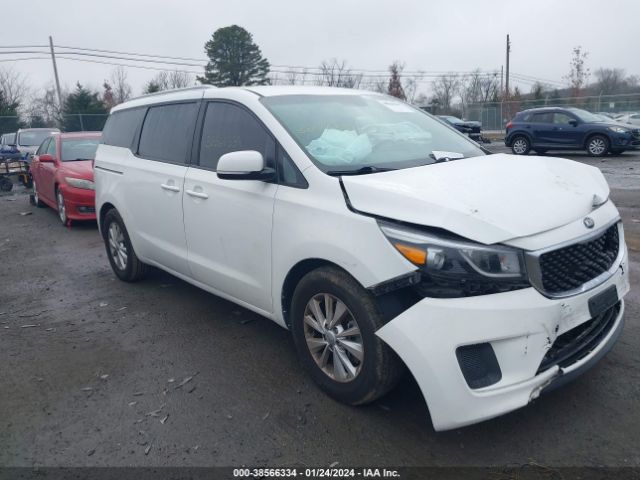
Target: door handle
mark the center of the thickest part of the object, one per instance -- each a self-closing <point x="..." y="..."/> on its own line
<point x="193" y="193"/>
<point x="171" y="188"/>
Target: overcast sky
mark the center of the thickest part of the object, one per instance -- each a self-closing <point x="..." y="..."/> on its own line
<point x="457" y="35"/>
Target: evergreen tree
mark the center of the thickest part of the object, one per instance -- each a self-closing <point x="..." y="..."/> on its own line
<point x="9" y="121"/>
<point x="234" y="59"/>
<point x="83" y="110"/>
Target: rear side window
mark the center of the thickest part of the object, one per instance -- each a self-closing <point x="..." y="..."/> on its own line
<point x="562" y="118"/>
<point x="541" y="118"/>
<point x="121" y="127"/>
<point x="230" y="128"/>
<point x="167" y="132"/>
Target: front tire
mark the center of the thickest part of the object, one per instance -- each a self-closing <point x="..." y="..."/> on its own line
<point x="35" y="198"/>
<point x="597" y="145"/>
<point x="333" y="321"/>
<point x="122" y="257"/>
<point x="62" y="208"/>
<point x="520" y="145"/>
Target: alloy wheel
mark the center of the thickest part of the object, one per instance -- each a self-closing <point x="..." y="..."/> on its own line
<point x="597" y="146"/>
<point x="520" y="146"/>
<point x="62" y="211"/>
<point x="36" y="198"/>
<point x="333" y="337"/>
<point x="117" y="247"/>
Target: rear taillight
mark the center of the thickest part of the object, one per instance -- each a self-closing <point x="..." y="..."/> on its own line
<point x="509" y="125"/>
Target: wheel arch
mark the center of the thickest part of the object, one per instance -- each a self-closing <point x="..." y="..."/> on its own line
<point x="294" y="276"/>
<point x="590" y="135"/>
<point x="104" y="209"/>
<point x="520" y="133"/>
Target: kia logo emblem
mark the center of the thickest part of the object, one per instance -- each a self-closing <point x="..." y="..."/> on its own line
<point x="588" y="222"/>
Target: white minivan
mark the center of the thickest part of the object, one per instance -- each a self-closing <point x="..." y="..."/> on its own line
<point x="382" y="238"/>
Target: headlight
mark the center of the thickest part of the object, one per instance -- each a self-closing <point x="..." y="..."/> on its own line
<point x="80" y="183"/>
<point x="618" y="129"/>
<point x="459" y="264"/>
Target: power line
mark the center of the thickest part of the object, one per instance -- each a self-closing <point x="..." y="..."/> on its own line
<point x="418" y="75"/>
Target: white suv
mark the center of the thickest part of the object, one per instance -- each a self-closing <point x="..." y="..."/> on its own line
<point x="379" y="236"/>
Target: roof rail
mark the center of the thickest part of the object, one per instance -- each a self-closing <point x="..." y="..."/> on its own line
<point x="174" y="90"/>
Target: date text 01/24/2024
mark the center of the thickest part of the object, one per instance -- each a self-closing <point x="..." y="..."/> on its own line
<point x="315" y="473"/>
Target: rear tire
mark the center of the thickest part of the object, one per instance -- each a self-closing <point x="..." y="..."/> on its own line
<point x="520" y="145"/>
<point x="6" y="185"/>
<point x="346" y="359"/>
<point x="122" y="257"/>
<point x="597" y="145"/>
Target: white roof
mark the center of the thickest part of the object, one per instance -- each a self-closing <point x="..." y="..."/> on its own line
<point x="198" y="92"/>
<point x="275" y="90"/>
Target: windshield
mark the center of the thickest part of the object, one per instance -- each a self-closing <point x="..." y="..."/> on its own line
<point x="585" y="116"/>
<point x="9" y="139"/>
<point x="355" y="132"/>
<point x="79" y="149"/>
<point x="32" y="139"/>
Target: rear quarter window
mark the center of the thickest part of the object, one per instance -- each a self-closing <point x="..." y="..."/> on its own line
<point x="121" y="127"/>
<point x="167" y="132"/>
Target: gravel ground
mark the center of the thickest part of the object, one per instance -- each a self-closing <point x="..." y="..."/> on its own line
<point x="96" y="372"/>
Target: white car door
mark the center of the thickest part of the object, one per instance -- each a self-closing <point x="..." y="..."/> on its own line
<point x="156" y="178"/>
<point x="228" y="222"/>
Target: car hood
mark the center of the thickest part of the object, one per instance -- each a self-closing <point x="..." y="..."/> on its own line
<point x="79" y="169"/>
<point x="489" y="199"/>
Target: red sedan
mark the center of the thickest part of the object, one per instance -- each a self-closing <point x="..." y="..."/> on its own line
<point x="62" y="171"/>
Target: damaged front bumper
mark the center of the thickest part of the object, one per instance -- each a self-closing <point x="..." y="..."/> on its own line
<point x="521" y="327"/>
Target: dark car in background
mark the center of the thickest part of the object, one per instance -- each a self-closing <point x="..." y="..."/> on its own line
<point x="554" y="128"/>
<point x="469" y="127"/>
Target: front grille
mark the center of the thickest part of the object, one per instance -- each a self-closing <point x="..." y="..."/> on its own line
<point x="578" y="342"/>
<point x="571" y="267"/>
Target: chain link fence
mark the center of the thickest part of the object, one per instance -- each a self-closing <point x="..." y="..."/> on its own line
<point x="76" y="122"/>
<point x="495" y="115"/>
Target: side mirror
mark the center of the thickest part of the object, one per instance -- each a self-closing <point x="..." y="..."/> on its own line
<point x="244" y="165"/>
<point x="46" y="158"/>
<point x="573" y="123"/>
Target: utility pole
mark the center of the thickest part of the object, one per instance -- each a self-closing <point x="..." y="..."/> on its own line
<point x="507" y="80"/>
<point x="55" y="73"/>
<point x="502" y="81"/>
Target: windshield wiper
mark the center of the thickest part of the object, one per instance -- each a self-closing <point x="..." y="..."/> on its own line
<point x="439" y="156"/>
<point x="361" y="171"/>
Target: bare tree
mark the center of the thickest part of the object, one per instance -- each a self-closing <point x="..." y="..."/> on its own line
<point x="14" y="86"/>
<point x="610" y="80"/>
<point x="578" y="73"/>
<point x="337" y="74"/>
<point x="445" y="88"/>
<point x="45" y="107"/>
<point x="470" y="89"/>
<point x="169" y="80"/>
<point x="410" y="86"/>
<point x="121" y="88"/>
